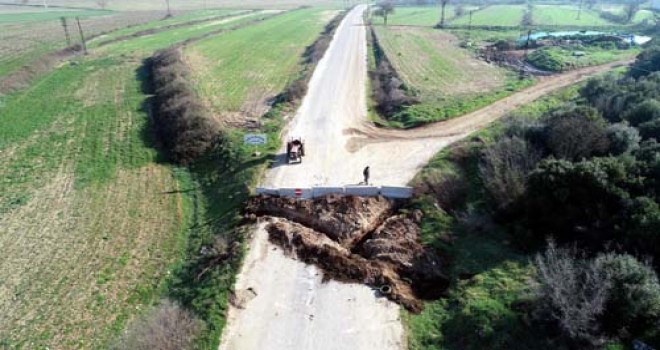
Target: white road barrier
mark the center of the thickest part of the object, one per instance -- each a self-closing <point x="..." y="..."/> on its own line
<point x="363" y="191"/>
<point x="323" y="191"/>
<point x="396" y="192"/>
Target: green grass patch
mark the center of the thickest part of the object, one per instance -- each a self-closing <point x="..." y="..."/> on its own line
<point x="200" y="15"/>
<point x="559" y="59"/>
<point x="418" y="16"/>
<point x="446" y="78"/>
<point x="495" y="15"/>
<point x="242" y="70"/>
<point x="9" y="18"/>
<point x="145" y="45"/>
<point x="566" y="15"/>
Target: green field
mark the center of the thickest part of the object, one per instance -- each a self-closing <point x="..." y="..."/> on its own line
<point x="566" y="58"/>
<point x="82" y="253"/>
<point x="561" y="15"/>
<point x="420" y="16"/>
<point x="447" y="78"/>
<point x="496" y="15"/>
<point x="159" y="40"/>
<point x="48" y="15"/>
<point x="200" y="15"/>
<point x="240" y="71"/>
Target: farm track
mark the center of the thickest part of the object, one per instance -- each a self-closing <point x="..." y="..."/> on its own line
<point x="462" y="126"/>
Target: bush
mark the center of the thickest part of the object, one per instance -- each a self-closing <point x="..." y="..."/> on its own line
<point x="448" y="189"/>
<point x="571" y="292"/>
<point x="622" y="138"/>
<point x="504" y="168"/>
<point x="181" y="122"/>
<point x="647" y="62"/>
<point x="633" y="303"/>
<point x="547" y="58"/>
<point x="610" y="297"/>
<point x="578" y="202"/>
<point x="166" y="327"/>
<point x="645" y="111"/>
<point x="576" y="133"/>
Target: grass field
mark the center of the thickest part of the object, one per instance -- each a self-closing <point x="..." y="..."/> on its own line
<point x="17" y="17"/>
<point x="496" y="15"/>
<point x="150" y="5"/>
<point x="22" y="43"/>
<point x="419" y="16"/>
<point x="94" y="226"/>
<point x="150" y="43"/>
<point x="433" y="63"/>
<point x="448" y="79"/>
<point x="239" y="72"/>
<point x="561" y="15"/>
<point x="82" y="251"/>
<point x="200" y="15"/>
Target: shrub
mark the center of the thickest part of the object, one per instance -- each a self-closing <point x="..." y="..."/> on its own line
<point x="448" y="189"/>
<point x="622" y="138"/>
<point x="181" y="122"/>
<point x="650" y="129"/>
<point x="643" y="112"/>
<point x="166" y="327"/>
<point x="610" y="297"/>
<point x="571" y="292"/>
<point x="547" y="58"/>
<point x="633" y="303"/>
<point x="576" y="133"/>
<point x="578" y="202"/>
<point x="504" y="168"/>
<point x="647" y="62"/>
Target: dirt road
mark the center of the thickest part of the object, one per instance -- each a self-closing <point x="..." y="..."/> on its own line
<point x="283" y="304"/>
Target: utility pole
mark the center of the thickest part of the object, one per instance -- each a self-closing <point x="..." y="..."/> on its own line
<point x="522" y="64"/>
<point x="470" y="22"/>
<point x="580" y="9"/>
<point x="66" y="31"/>
<point x="82" y="36"/>
<point x="169" y="12"/>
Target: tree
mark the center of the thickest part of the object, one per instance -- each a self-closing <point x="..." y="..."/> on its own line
<point x="385" y="8"/>
<point x="102" y="3"/>
<point x="631" y="9"/>
<point x="443" y="4"/>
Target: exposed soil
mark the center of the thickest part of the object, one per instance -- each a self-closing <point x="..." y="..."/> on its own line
<point x="357" y="239"/>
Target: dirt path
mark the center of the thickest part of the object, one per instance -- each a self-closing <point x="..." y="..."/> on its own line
<point x="281" y="303"/>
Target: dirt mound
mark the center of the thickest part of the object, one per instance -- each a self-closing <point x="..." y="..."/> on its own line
<point x="357" y="239"/>
<point x="345" y="219"/>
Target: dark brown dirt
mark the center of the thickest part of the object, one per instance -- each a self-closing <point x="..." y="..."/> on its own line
<point x="357" y="239"/>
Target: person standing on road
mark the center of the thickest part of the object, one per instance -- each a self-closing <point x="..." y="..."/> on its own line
<point x="365" y="172"/>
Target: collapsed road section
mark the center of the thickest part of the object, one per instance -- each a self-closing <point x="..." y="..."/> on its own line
<point x="356" y="239"/>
